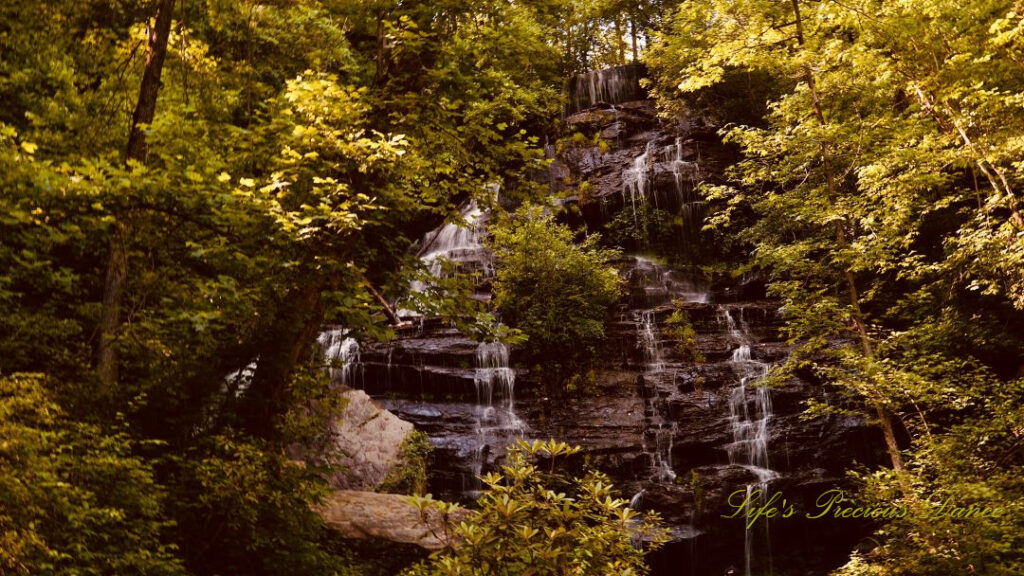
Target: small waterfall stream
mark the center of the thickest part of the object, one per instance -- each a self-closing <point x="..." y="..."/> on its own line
<point x="457" y="244"/>
<point x="750" y="408"/>
<point x="659" y="431"/>
<point x="638" y="181"/>
<point x="497" y="421"/>
<point x="339" y="348"/>
<point x="608" y="86"/>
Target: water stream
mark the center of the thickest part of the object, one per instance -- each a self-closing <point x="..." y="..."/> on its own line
<point x="342" y="352"/>
<point x="659" y="431"/>
<point x="750" y="409"/>
<point x="497" y="421"/>
<point x="638" y="181"/>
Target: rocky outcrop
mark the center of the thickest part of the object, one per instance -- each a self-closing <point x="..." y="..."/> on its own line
<point x="362" y="515"/>
<point x="634" y="157"/>
<point x="368" y="441"/>
<point x="660" y="424"/>
<point x="678" y="425"/>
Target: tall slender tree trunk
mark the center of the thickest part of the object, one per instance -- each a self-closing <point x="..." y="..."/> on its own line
<point x="884" y="418"/>
<point x="117" y="261"/>
<point x="620" y="44"/>
<point x="632" y="35"/>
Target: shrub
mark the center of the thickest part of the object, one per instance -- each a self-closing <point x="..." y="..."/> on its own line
<point x="540" y="523"/>
<point x="680" y="330"/>
<point x="409" y="475"/>
<point x="73" y="499"/>
<point x="555" y="291"/>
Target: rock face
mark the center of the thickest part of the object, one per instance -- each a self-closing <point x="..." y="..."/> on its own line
<point x="644" y="160"/>
<point x="368" y="442"/>
<point x="363" y="515"/>
<point x="680" y="423"/>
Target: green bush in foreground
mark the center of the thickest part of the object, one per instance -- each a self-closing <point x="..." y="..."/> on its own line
<point x="73" y="500"/>
<point x="540" y="523"/>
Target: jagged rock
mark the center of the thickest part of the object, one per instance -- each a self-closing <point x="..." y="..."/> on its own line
<point x="368" y="440"/>
<point x="364" y="515"/>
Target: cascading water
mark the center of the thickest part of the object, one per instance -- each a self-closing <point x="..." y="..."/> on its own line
<point x="637" y="500"/>
<point x="660" y="431"/>
<point x="608" y="86"/>
<point x="635" y="179"/>
<point x="339" y="348"/>
<point x="459" y="243"/>
<point x="495" y="382"/>
<point x="750" y="415"/>
<point x="639" y="177"/>
<point x="654" y="286"/>
<point x="662" y="286"/>
<point x="456" y="248"/>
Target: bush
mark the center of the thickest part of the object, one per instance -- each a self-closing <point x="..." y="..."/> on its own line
<point x="680" y="330"/>
<point x="543" y="524"/>
<point x="409" y="475"/>
<point x="73" y="500"/>
<point x="555" y="291"/>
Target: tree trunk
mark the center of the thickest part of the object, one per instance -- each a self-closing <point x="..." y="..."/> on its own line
<point x="620" y="44"/>
<point x="117" y="261"/>
<point x="145" y="107"/>
<point x="388" y="310"/>
<point x="285" y="340"/>
<point x="632" y="34"/>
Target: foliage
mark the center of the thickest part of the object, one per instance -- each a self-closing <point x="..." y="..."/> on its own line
<point x="532" y="521"/>
<point x="645" y="227"/>
<point x="409" y="474"/>
<point x="243" y="508"/>
<point x="883" y="184"/>
<point x="284" y="178"/>
<point x="73" y="500"/>
<point x="678" y="328"/>
<point x="953" y="472"/>
<point x="555" y="291"/>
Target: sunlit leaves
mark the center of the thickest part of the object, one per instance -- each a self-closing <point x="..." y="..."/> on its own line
<point x="532" y="522"/>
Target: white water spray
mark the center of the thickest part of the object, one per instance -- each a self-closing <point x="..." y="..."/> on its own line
<point x="339" y="348"/>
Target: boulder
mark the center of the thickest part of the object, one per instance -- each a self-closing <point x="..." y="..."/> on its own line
<point x="368" y="440"/>
<point x="360" y="515"/>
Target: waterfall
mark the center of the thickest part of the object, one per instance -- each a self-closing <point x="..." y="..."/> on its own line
<point x="339" y="348"/>
<point x="638" y="182"/>
<point x="662" y="435"/>
<point x="494" y="375"/>
<point x="637" y="500"/>
<point x="495" y="382"/>
<point x="749" y="418"/>
<point x="662" y="286"/>
<point x="609" y="86"/>
<point x="458" y="242"/>
<point x="635" y="180"/>
<point x="455" y="247"/>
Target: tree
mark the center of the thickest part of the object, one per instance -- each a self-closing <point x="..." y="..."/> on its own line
<point x="555" y="291"/>
<point x="864" y="176"/>
<point x="272" y="181"/>
<point x="145" y="110"/>
<point x="532" y="521"/>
